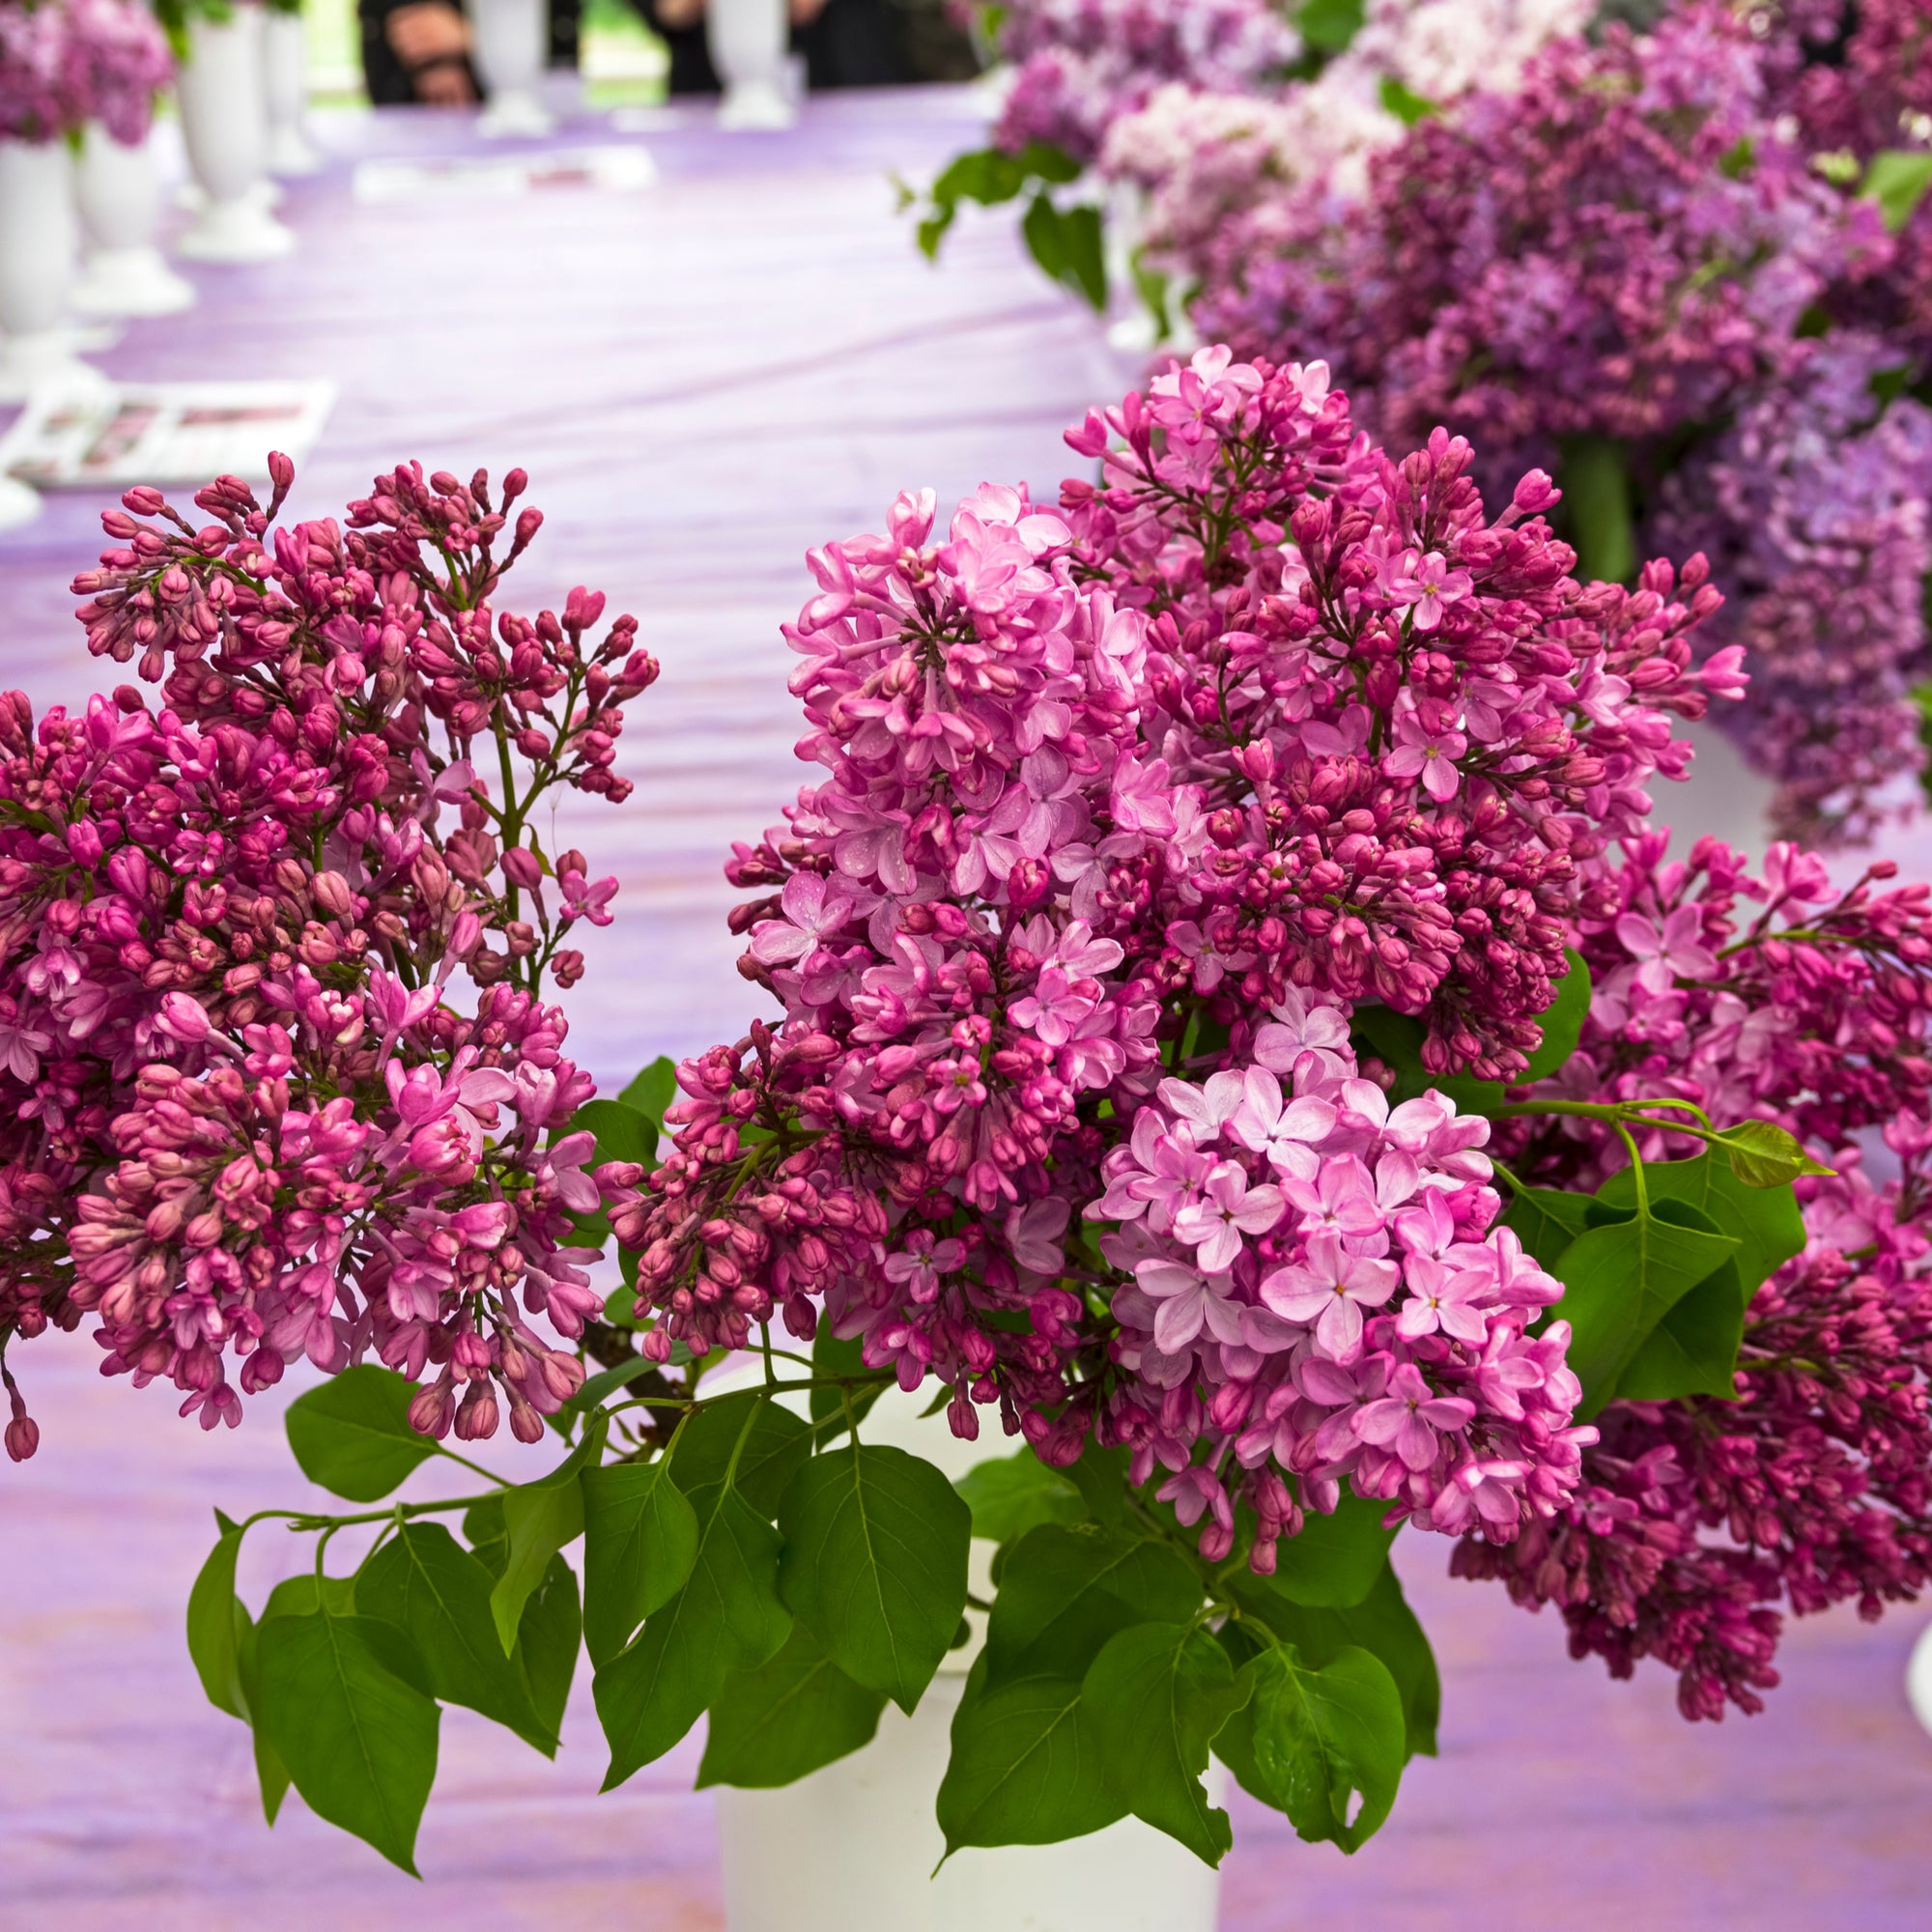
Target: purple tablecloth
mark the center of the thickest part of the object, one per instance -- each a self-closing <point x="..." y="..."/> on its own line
<point x="702" y="380"/>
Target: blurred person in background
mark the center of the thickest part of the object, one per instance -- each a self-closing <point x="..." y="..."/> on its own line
<point x="417" y="51"/>
<point x="845" y="43"/>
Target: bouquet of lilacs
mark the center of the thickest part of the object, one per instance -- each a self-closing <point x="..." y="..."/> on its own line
<point x="1233" y="1035"/>
<point x="246" y="1123"/>
<point x="1677" y="279"/>
<point x="1181" y="112"/>
<point x="64" y="63"/>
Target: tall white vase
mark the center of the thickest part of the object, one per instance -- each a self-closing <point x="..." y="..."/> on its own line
<point x="285" y="85"/>
<point x="509" y="41"/>
<point x="38" y="242"/>
<point x="852" y="1847"/>
<point x="120" y="197"/>
<point x="225" y="122"/>
<point x="747" y="39"/>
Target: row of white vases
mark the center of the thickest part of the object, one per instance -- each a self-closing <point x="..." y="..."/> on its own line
<point x="747" y="39"/>
<point x="241" y="94"/>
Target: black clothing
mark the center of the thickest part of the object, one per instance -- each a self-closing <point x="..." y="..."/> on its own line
<point x="389" y="80"/>
<point x="850" y="44"/>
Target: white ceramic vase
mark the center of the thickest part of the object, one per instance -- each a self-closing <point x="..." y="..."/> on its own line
<point x="747" y="39"/>
<point x="852" y="1847"/>
<point x="225" y="125"/>
<point x="285" y="88"/>
<point x="37" y="243"/>
<point x="509" y="41"/>
<point x="119" y="193"/>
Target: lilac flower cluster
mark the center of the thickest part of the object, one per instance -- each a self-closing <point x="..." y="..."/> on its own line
<point x="1818" y="521"/>
<point x="1648" y="265"/>
<point x="1082" y="64"/>
<point x="1269" y="1235"/>
<point x="1263" y="722"/>
<point x="125" y="60"/>
<point x="64" y="63"/>
<point x="1696" y="1517"/>
<point x="244" y="1121"/>
<point x="1204" y="155"/>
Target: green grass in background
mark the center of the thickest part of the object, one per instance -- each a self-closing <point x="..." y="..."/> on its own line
<point x="623" y="63"/>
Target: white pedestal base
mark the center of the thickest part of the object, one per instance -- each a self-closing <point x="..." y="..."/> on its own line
<point x="513" y="113"/>
<point x="17" y="503"/>
<point x="242" y="230"/>
<point x="289" y="154"/>
<point x="755" y="106"/>
<point x="131" y="281"/>
<point x="44" y="360"/>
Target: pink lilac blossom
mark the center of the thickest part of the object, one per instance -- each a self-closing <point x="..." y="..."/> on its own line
<point x="1818" y="521"/>
<point x="64" y="63"/>
<point x="38" y="98"/>
<point x="1204" y="156"/>
<point x="245" y="1121"/>
<point x="125" y="61"/>
<point x="1082" y="64"/>
<point x="1783" y="998"/>
<point x="1638" y="248"/>
<point x="1127" y="801"/>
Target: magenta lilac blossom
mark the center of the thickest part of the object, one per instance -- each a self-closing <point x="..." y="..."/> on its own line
<point x="248" y="1119"/>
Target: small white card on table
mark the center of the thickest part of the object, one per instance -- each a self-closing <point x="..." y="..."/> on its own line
<point x="162" y="433"/>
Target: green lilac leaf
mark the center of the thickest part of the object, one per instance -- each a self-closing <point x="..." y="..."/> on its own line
<point x="1381" y="1623"/>
<point x="1154" y="1697"/>
<point x="1065" y="1591"/>
<point x="1045" y="235"/>
<point x="1407" y="107"/>
<point x="787" y="1717"/>
<point x="1620" y="1279"/>
<point x="1594" y="473"/>
<point x="622" y="1133"/>
<point x="1100" y="1475"/>
<point x="1012" y="1495"/>
<point x="215" y="1617"/>
<point x="1336" y="1559"/>
<point x="359" y="1739"/>
<point x="621" y="1376"/>
<point x="299" y="1597"/>
<point x="351" y="1433"/>
<point x="749" y="1435"/>
<point x="1693" y="1351"/>
<point x="1897" y="180"/>
<point x="1327" y="1742"/>
<point x="652" y="1091"/>
<point x="426" y="1583"/>
<point x="1763" y="1154"/>
<point x="1045" y="161"/>
<point x="1765" y="1222"/>
<point x="1026" y="1767"/>
<point x="271" y="1775"/>
<point x="1086" y="269"/>
<point x="874" y="1564"/>
<point x="548" y="1640"/>
<point x="836" y="1355"/>
<point x="1546" y="1220"/>
<point x="727" y="1616"/>
<point x="1329" y="26"/>
<point x="540" y="1519"/>
<point x="489" y="1540"/>
<point x="639" y="1542"/>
